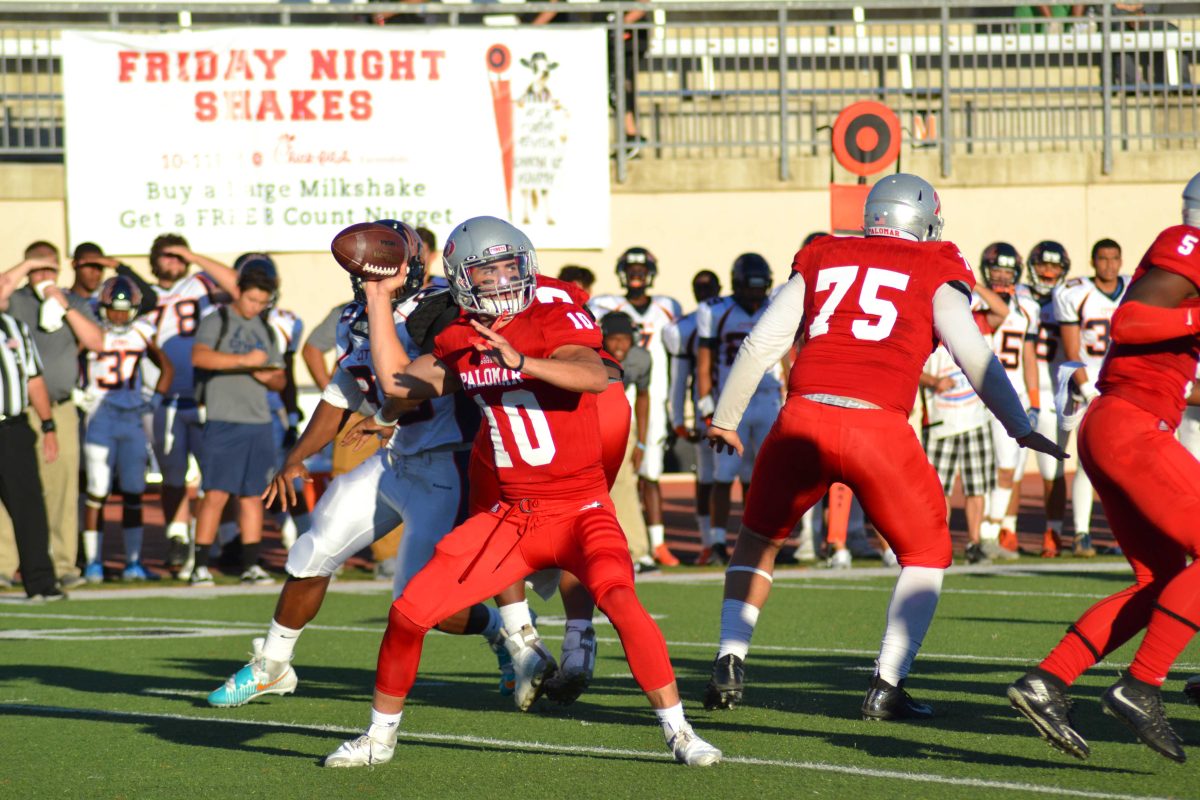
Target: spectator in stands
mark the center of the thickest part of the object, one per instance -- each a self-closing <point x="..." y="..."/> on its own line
<point x="618" y="331"/>
<point x="22" y="384"/>
<point x="433" y="258"/>
<point x="240" y="362"/>
<point x="1045" y="13"/>
<point x="62" y="325"/>
<point x="582" y="277"/>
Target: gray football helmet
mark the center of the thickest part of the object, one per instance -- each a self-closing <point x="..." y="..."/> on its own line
<point x="904" y="203"/>
<point x="1191" y="202"/>
<point x="481" y="242"/>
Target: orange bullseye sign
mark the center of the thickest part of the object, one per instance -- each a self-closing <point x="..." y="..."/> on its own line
<point x="866" y="137"/>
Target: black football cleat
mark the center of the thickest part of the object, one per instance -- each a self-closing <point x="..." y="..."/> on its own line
<point x="724" y="689"/>
<point x="720" y="554"/>
<point x="1191" y="689"/>
<point x="178" y="551"/>
<point x="1049" y="709"/>
<point x="887" y="702"/>
<point x="1139" y="705"/>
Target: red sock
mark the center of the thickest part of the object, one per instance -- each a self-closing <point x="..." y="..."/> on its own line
<point x="1166" y="636"/>
<point x="1103" y="628"/>
<point x="399" y="655"/>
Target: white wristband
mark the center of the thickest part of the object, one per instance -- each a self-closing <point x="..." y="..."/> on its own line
<point x="379" y="419"/>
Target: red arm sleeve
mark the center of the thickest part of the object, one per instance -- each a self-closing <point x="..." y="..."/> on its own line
<point x="1138" y="323"/>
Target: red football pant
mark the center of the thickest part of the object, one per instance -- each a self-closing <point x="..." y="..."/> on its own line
<point x="493" y="550"/>
<point x="1149" y="486"/>
<point x="612" y="406"/>
<point x="872" y="451"/>
<point x="838" y="525"/>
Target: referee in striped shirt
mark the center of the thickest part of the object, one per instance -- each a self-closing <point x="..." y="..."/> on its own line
<point x="21" y="383"/>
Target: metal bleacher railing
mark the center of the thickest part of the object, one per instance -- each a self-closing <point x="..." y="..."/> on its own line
<point x="757" y="79"/>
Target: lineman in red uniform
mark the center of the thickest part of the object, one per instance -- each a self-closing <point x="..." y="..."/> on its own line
<point x="536" y="385"/>
<point x="873" y="309"/>
<point x="1150" y="488"/>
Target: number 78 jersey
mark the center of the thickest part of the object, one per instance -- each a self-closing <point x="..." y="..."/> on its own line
<point x="868" y="316"/>
<point x="546" y="440"/>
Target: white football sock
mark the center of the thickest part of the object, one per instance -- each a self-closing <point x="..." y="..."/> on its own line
<point x="704" y="524"/>
<point x="1009" y="523"/>
<point x="717" y="535"/>
<point x="281" y="642"/>
<point x="989" y="531"/>
<point x="656" y="535"/>
<point x="177" y="530"/>
<point x="384" y="726"/>
<point x="737" y="626"/>
<point x="998" y="502"/>
<point x="93" y="541"/>
<point x="671" y="719"/>
<point x="133" y="545"/>
<point x="909" y="614"/>
<point x="1082" y="497"/>
<point x="579" y="625"/>
<point x="515" y="616"/>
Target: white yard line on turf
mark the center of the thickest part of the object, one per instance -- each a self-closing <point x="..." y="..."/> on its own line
<point x="574" y="749"/>
<point x="189" y="629"/>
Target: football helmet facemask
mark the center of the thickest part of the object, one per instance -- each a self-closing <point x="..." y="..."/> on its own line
<point x="637" y="255"/>
<point x="1047" y="252"/>
<point x="1004" y="257"/>
<point x="751" y="278"/>
<point x="491" y="267"/>
<point x="120" y="295"/>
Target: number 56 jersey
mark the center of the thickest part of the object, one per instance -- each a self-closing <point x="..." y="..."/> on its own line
<point x="868" y="316"/>
<point x="546" y="440"/>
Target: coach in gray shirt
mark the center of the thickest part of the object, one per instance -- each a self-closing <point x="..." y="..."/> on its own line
<point x="61" y="325"/>
<point x="237" y="362"/>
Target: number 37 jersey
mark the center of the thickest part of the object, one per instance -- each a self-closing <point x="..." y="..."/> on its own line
<point x="546" y="440"/>
<point x="868" y="316"/>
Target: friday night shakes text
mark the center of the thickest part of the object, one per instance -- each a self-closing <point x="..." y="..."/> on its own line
<point x="262" y="65"/>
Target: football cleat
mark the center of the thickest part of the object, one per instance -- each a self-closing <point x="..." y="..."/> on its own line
<point x="720" y="554"/>
<point x="841" y="559"/>
<point x="532" y="666"/>
<point x="890" y="559"/>
<point x="508" y="676"/>
<point x="1051" y="544"/>
<point x="94" y="572"/>
<point x="1008" y="541"/>
<point x="804" y="547"/>
<point x="726" y="685"/>
<point x="975" y="554"/>
<point x="887" y="702"/>
<point x="1191" y="689"/>
<point x="1083" y="546"/>
<point x="1140" y="707"/>
<point x="200" y="576"/>
<point x="1049" y="709"/>
<point x="691" y="750"/>
<point x="287" y="532"/>
<point x="256" y="576"/>
<point x="996" y="551"/>
<point x="664" y="556"/>
<point x="254" y="680"/>
<point x="645" y="564"/>
<point x="575" y="669"/>
<point x="178" y="551"/>
<point x="136" y="572"/>
<point x="361" y="752"/>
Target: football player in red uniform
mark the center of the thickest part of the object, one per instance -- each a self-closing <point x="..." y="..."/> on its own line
<point x="535" y="372"/>
<point x="1127" y="444"/>
<point x="873" y="309"/>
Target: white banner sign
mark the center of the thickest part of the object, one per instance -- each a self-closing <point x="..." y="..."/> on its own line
<point x="275" y="139"/>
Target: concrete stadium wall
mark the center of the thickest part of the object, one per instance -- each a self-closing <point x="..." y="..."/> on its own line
<point x="696" y="215"/>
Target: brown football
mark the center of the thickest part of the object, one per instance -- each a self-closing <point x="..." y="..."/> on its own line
<point x="371" y="250"/>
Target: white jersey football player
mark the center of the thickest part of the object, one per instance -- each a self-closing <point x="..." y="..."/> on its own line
<point x="1014" y="342"/>
<point x="679" y="339"/>
<point x="1048" y="267"/>
<point x="636" y="269"/>
<point x="183" y="300"/>
<point x="1083" y="308"/>
<point x="418" y="478"/>
<point x="115" y="441"/>
<point x="721" y="327"/>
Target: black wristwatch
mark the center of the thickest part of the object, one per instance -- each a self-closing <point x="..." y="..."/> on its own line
<point x="48" y="426"/>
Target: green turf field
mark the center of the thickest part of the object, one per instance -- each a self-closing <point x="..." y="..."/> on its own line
<point x="103" y="697"/>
